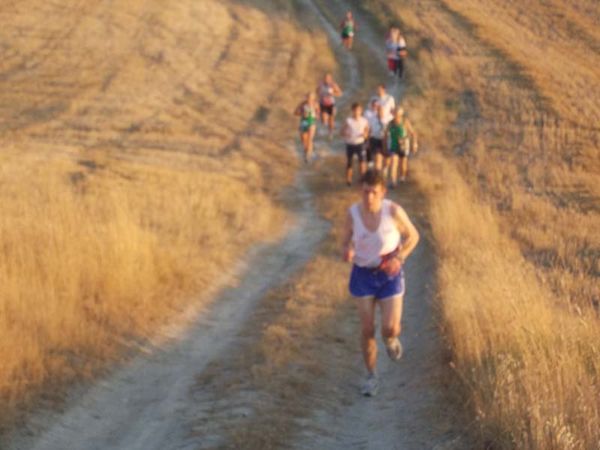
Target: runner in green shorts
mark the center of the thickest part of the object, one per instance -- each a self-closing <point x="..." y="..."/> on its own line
<point x="348" y="27"/>
<point x="397" y="139"/>
<point x="308" y="110"/>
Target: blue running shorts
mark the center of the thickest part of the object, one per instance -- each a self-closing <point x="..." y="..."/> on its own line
<point x="366" y="282"/>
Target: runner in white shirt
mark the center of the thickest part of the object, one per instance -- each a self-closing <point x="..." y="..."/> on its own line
<point x="355" y="132"/>
<point x="378" y="237"/>
<point x="371" y="114"/>
<point x="395" y="49"/>
<point x="387" y="103"/>
<point x="377" y="151"/>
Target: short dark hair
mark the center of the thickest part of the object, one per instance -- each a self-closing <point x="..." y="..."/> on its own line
<point x="355" y="105"/>
<point x="373" y="177"/>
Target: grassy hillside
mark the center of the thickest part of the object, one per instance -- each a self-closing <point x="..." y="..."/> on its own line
<point x="507" y="99"/>
<point x="144" y="149"/>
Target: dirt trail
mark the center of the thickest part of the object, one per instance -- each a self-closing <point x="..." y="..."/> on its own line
<point x="409" y="412"/>
<point x="147" y="404"/>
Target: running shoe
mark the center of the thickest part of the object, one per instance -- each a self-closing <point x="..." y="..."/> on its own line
<point x="394" y="349"/>
<point x="370" y="386"/>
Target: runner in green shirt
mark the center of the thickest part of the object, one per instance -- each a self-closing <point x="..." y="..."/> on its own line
<point x="308" y="110"/>
<point x="348" y="28"/>
<point x="398" y="136"/>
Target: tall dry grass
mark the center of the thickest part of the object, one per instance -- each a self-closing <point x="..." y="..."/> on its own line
<point x="143" y="154"/>
<point x="83" y="271"/>
<point x="530" y="368"/>
<point x="510" y="172"/>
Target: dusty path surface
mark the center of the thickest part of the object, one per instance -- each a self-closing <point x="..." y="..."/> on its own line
<point x="409" y="412"/>
<point x="154" y="402"/>
<point x="146" y="404"/>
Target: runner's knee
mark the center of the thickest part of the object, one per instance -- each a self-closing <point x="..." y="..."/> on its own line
<point x="368" y="331"/>
<point x="390" y="330"/>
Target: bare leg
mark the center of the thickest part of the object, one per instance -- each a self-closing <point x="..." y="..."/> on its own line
<point x="386" y="167"/>
<point x="304" y="139"/>
<point x="331" y="123"/>
<point x="363" y="167"/>
<point x="391" y="316"/>
<point x="311" y="135"/>
<point x="366" y="312"/>
<point x="394" y="169"/>
<point x="404" y="168"/>
<point x="379" y="161"/>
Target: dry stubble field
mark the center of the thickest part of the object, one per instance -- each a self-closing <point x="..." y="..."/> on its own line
<point x="142" y="153"/>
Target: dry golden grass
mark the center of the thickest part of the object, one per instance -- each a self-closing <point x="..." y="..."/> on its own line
<point x="81" y="270"/>
<point x="512" y="173"/>
<point x="144" y="151"/>
<point x="531" y="368"/>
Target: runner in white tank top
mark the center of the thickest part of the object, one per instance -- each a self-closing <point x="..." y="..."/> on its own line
<point x="378" y="238"/>
<point x="369" y="246"/>
<point x="387" y="103"/>
<point x="376" y="151"/>
<point x="355" y="132"/>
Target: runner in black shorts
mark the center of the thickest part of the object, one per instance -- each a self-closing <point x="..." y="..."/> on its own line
<point x="377" y="152"/>
<point x="355" y="132"/>
<point x="398" y="136"/>
<point x="327" y="91"/>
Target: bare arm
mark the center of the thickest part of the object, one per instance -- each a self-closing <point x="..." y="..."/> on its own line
<point x="385" y="138"/>
<point x="347" y="246"/>
<point x="410" y="235"/>
<point x="413" y="135"/>
<point x="344" y="129"/>
<point x="366" y="131"/>
<point x="337" y="91"/>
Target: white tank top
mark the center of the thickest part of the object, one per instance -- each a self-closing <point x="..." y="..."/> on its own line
<point x="376" y="125"/>
<point x="388" y="104"/>
<point x="355" y="132"/>
<point x="391" y="49"/>
<point x="370" y="245"/>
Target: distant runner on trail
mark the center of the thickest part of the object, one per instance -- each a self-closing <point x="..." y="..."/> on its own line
<point x="378" y="237"/>
<point x="327" y="91"/>
<point x="397" y="140"/>
<point x="395" y="49"/>
<point x="387" y="103"/>
<point x="348" y="27"/>
<point x="308" y="111"/>
<point x="376" y="150"/>
<point x="355" y="131"/>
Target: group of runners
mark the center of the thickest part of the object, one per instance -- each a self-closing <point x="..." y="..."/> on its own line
<point x="382" y="137"/>
<point x="378" y="234"/>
